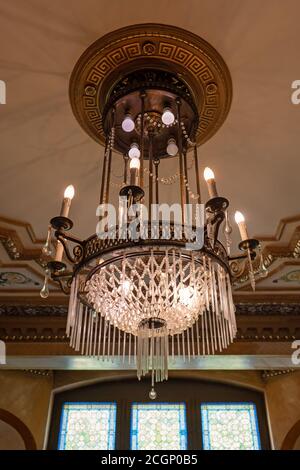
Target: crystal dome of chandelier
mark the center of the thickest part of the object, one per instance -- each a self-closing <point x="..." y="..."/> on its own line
<point x="145" y="288"/>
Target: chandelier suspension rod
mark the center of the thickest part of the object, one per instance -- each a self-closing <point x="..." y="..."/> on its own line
<point x="125" y="158"/>
<point x="197" y="174"/>
<point x="143" y="96"/>
<point x="181" y="170"/>
<point x="156" y="163"/>
<point x="151" y="136"/>
<point x="106" y="194"/>
<point x="104" y="170"/>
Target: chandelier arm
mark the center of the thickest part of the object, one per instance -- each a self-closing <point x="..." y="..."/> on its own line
<point x="61" y="237"/>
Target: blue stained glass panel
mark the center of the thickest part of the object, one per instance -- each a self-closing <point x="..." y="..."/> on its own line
<point x="230" y="426"/>
<point x="158" y="426"/>
<point x="88" y="426"/>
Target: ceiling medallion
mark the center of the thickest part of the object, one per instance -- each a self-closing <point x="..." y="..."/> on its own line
<point x="155" y="280"/>
<point x="158" y="47"/>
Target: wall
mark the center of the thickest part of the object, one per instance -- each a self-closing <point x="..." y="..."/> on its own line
<point x="28" y="396"/>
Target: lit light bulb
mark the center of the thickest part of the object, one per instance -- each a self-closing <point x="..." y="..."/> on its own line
<point x="208" y="174"/>
<point x="128" y="123"/>
<point x="66" y="204"/>
<point x="167" y="117"/>
<point x="172" y="148"/>
<point x="69" y="192"/>
<point x="135" y="163"/>
<point x="209" y="177"/>
<point x="134" y="151"/>
<point x="240" y="220"/>
<point x="238" y="217"/>
<point x="125" y="287"/>
<point x="186" y="295"/>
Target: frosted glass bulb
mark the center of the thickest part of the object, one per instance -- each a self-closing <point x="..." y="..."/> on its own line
<point x="208" y="174"/>
<point x="134" y="151"/>
<point x="172" y="148"/>
<point x="238" y="217"/>
<point x="69" y="192"/>
<point x="167" y="117"/>
<point x="135" y="163"/>
<point x="127" y="123"/>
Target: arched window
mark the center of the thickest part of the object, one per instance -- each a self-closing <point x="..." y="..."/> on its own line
<point x="187" y="414"/>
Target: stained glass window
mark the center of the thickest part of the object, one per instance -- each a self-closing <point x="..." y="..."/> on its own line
<point x="87" y="426"/>
<point x="158" y="426"/>
<point x="230" y="426"/>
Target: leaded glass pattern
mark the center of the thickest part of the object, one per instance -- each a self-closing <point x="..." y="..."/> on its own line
<point x="230" y="426"/>
<point x="88" y="426"/>
<point x="158" y="426"/>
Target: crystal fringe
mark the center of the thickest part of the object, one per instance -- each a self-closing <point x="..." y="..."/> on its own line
<point x="92" y="334"/>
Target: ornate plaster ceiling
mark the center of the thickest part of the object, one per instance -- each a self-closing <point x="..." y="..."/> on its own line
<point x="254" y="154"/>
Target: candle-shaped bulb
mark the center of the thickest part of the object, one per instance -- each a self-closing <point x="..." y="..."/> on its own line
<point x="66" y="204"/>
<point x="135" y="163"/>
<point x="209" y="177"/>
<point x="69" y="192"/>
<point x="208" y="174"/>
<point x="240" y="220"/>
<point x="238" y="217"/>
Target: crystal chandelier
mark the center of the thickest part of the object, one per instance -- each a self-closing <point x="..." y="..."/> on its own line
<point x="148" y="287"/>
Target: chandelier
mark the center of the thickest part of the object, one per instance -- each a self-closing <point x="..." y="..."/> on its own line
<point x="149" y="285"/>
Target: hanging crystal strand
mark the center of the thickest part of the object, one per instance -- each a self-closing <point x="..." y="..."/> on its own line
<point x="227" y="232"/>
<point x="95" y="334"/>
<point x="124" y="345"/>
<point x="166" y="357"/>
<point x="119" y="344"/>
<point x="197" y="335"/>
<point x="104" y="339"/>
<point x="172" y="339"/>
<point x="99" y="336"/>
<point x="231" y="307"/>
<point x="251" y="272"/>
<point x="214" y="332"/>
<point x="217" y="311"/>
<point x="108" y="342"/>
<point x="84" y="330"/>
<point x="193" y="343"/>
<point x="129" y="349"/>
<point x="188" y="343"/>
<point x="46" y="250"/>
<point x="178" y="345"/>
<point x="72" y="305"/>
<point x="44" y="292"/>
<point x="79" y="331"/>
<point x="87" y="349"/>
<point x="113" y="344"/>
<point x="206" y="314"/>
<point x="74" y="329"/>
<point x="203" y="334"/>
<point x="135" y="346"/>
<point x="183" y="345"/>
<point x="263" y="271"/>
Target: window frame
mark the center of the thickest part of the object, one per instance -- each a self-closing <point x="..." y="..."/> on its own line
<point x="192" y="392"/>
